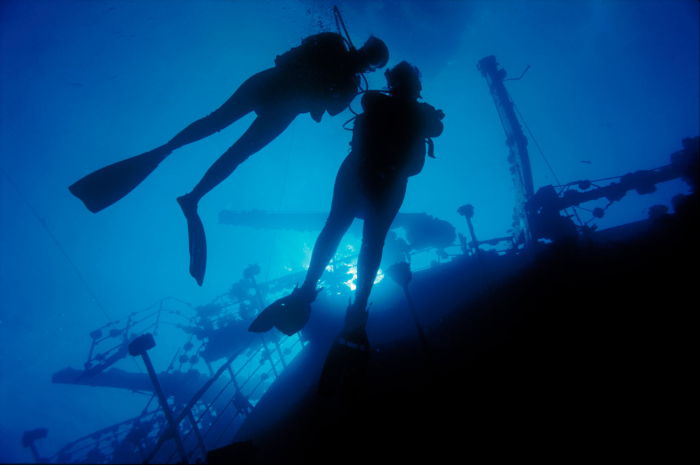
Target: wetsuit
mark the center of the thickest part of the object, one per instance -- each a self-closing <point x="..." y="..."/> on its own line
<point x="319" y="76"/>
<point x="388" y="147"/>
<point x="321" y="71"/>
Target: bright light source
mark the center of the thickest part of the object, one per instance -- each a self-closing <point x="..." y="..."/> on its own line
<point x="351" y="282"/>
<point x="353" y="271"/>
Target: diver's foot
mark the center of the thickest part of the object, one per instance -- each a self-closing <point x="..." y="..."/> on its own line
<point x="188" y="205"/>
<point x="288" y="314"/>
<point x="196" y="236"/>
<point x="354" y="333"/>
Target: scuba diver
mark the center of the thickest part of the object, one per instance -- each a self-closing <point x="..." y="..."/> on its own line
<point x="388" y="146"/>
<point x="321" y="75"/>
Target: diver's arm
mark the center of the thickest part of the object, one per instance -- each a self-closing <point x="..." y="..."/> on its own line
<point x="342" y="97"/>
<point x="432" y="120"/>
<point x="317" y="113"/>
<point x="435" y="129"/>
<point x="371" y="99"/>
<point x="336" y="106"/>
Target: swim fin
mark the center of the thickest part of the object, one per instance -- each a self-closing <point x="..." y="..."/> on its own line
<point x="197" y="239"/>
<point x="102" y="188"/>
<point x="344" y="372"/>
<point x="288" y="314"/>
<point x="265" y="320"/>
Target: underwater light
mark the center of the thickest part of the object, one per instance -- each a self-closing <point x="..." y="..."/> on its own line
<point x="353" y="271"/>
<point x="351" y="282"/>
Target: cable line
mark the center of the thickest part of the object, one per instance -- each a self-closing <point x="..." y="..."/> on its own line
<point x="539" y="149"/>
<point x="58" y="245"/>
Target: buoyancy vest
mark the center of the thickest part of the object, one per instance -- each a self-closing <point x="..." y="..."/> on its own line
<point x="321" y="69"/>
<point x="390" y="136"/>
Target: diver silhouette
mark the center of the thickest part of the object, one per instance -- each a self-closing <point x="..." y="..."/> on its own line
<point x="388" y="146"/>
<point x="321" y="75"/>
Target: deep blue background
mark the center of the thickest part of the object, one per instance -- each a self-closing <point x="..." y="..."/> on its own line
<point x="86" y="83"/>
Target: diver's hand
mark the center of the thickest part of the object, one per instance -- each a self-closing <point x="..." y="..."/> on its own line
<point x="317" y="114"/>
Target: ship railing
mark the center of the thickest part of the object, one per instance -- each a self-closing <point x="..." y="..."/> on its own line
<point x="100" y="444"/>
<point x="189" y="427"/>
<point x="207" y="420"/>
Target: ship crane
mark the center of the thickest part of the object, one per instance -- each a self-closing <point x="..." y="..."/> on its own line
<point x="518" y="157"/>
<point x="537" y="215"/>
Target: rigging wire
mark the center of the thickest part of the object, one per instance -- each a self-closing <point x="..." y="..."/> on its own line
<point x="63" y="251"/>
<point x="58" y="245"/>
<point x="539" y="148"/>
<point x="609" y="178"/>
<point x="546" y="161"/>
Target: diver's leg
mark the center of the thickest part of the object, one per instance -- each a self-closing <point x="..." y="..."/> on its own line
<point x="263" y="130"/>
<point x="373" y="235"/>
<point x="239" y="104"/>
<point x="289" y="314"/>
<point x="326" y="245"/>
<point x="107" y="185"/>
<point x="378" y="219"/>
<point x="343" y="210"/>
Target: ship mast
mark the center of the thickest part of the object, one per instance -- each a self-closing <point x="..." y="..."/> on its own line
<point x="518" y="157"/>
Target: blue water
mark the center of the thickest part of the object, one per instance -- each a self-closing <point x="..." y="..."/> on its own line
<point x="613" y="87"/>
